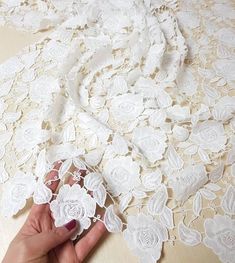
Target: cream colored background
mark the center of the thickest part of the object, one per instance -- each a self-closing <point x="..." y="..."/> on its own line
<point x="112" y="249"/>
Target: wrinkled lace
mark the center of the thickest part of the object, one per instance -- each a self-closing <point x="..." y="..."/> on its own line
<point x="135" y="100"/>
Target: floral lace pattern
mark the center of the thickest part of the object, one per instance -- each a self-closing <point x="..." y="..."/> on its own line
<point x="138" y="109"/>
<point x="73" y="202"/>
<point x="147" y="235"/>
<point x="220" y="236"/>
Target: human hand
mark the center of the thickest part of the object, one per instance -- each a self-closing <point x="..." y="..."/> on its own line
<point x="39" y="241"/>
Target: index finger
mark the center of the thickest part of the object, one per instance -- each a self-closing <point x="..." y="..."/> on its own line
<point x="51" y="177"/>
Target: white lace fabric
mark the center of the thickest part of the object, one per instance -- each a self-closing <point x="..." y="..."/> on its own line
<point x="135" y="99"/>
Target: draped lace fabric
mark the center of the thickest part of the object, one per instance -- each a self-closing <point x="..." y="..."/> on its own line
<point x="135" y="100"/>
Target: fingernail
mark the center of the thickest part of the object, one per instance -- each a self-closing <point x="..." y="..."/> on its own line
<point x="71" y="224"/>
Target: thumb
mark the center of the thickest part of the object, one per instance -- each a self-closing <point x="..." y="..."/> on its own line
<point x="51" y="239"/>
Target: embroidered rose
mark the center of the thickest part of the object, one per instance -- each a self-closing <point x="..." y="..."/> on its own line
<point x="224" y="109"/>
<point x="127" y="107"/>
<point x="16" y="191"/>
<point x="144" y="236"/>
<point x="150" y="142"/>
<point x="225" y="68"/>
<point x="189" y="181"/>
<point x="73" y="202"/>
<point x="29" y="134"/>
<point x="220" y="237"/>
<point x="209" y="135"/>
<point x="121" y="175"/>
<point x="41" y="89"/>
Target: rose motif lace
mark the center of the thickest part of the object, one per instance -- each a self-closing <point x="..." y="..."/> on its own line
<point x="131" y="103"/>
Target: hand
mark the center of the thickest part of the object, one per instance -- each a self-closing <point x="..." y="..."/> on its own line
<point x="39" y="241"/>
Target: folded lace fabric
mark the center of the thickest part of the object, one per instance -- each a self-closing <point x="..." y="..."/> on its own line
<point x="140" y="111"/>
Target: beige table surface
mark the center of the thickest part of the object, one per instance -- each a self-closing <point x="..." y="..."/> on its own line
<point x="112" y="249"/>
